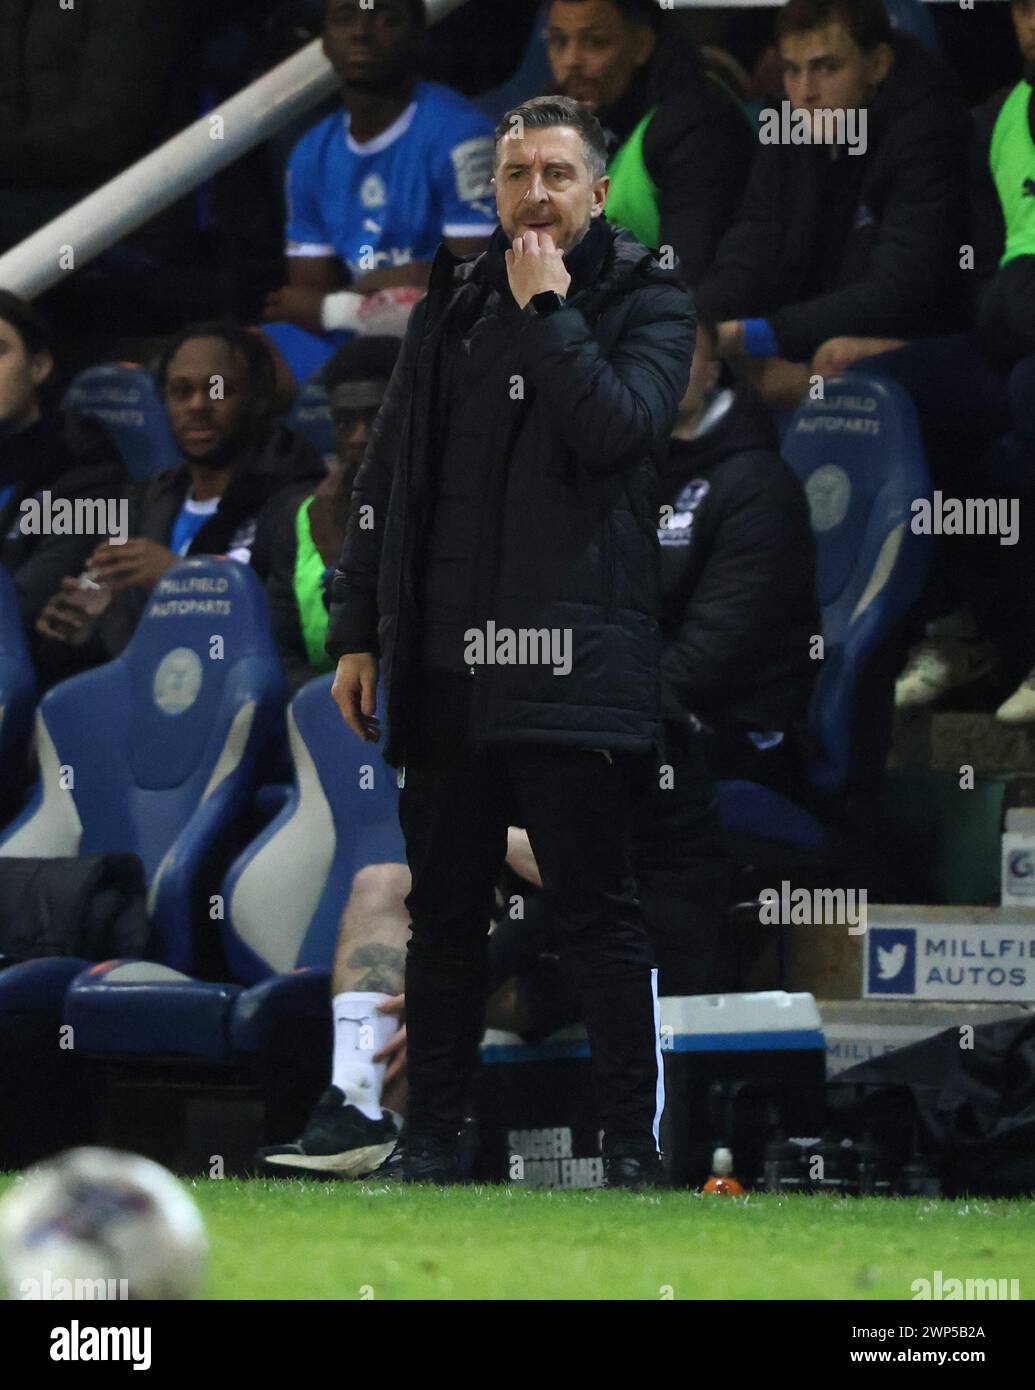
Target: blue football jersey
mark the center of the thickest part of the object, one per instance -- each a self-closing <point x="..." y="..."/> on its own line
<point x="392" y="200"/>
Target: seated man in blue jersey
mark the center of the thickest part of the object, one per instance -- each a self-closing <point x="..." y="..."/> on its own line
<point x="374" y="189"/>
<point x="234" y="460"/>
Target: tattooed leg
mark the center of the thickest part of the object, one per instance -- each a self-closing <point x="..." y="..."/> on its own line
<point x="375" y="927"/>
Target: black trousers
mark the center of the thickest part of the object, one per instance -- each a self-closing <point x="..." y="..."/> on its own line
<point x="577" y="806"/>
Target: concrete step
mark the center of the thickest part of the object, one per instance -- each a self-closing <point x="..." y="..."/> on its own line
<point x="860" y="1030"/>
<point x="945" y="741"/>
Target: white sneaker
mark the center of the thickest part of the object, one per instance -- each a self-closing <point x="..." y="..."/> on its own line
<point x="1020" y="707"/>
<point x="939" y="665"/>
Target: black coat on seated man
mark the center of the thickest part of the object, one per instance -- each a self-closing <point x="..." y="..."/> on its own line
<point x="738" y="577"/>
<point x="861" y="245"/>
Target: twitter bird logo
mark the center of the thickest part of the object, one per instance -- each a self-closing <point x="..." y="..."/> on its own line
<point x="892" y="961"/>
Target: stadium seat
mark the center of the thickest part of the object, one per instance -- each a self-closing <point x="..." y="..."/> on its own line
<point x="153" y="753"/>
<point x="311" y="415"/>
<point x="17" y="697"/>
<point x="912" y="17"/>
<point x="124" y="397"/>
<point x="160" y="745"/>
<point x="859" y="456"/>
<point x="283" y="898"/>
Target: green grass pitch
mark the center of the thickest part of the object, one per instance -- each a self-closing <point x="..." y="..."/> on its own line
<point x="300" y="1239"/>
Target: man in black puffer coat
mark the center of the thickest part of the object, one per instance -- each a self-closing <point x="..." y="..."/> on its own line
<point x="510" y="489"/>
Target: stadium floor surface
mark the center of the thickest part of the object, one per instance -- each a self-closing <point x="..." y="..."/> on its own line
<point x="297" y="1239"/>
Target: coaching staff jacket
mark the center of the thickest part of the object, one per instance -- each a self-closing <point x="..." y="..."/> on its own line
<point x="574" y="431"/>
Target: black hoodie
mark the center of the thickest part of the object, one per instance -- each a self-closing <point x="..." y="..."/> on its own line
<point x="738" y="585"/>
<point x="860" y="245"/>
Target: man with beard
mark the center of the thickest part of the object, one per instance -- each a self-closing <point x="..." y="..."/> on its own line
<point x="680" y="148"/>
<point x="512" y="481"/>
<point x="848" y="238"/>
<point x="373" y="190"/>
<point x="217" y="381"/>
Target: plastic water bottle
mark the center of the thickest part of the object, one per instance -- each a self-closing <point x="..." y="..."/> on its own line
<point x="1018" y="873"/>
<point x="722" y="1182"/>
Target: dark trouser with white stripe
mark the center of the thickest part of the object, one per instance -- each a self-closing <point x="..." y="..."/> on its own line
<point x="577" y="806"/>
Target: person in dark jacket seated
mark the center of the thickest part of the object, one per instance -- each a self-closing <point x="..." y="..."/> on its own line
<point x="850" y="242"/>
<point x="303" y="536"/>
<point x="217" y="382"/>
<point x="975" y="397"/>
<point x="680" y="146"/>
<point x="56" y="469"/>
<point x="739" y="610"/>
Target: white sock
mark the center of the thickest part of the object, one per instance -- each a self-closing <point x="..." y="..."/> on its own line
<point x="359" y="1032"/>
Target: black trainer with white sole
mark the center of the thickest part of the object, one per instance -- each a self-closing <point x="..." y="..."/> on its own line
<point x="339" y="1141"/>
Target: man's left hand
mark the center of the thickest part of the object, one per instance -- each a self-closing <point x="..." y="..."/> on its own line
<point x="139" y="561"/>
<point x="535" y="266"/>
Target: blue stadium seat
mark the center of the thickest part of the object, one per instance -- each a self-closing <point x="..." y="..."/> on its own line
<point x="283" y="897"/>
<point x="533" y="75"/>
<point x="311" y="415"/>
<point x="157" y="748"/>
<point x="912" y="17"/>
<point x="17" y="692"/>
<point x="859" y="456"/>
<point x="125" y="399"/>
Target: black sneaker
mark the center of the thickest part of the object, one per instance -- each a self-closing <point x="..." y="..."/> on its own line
<point x="339" y="1141"/>
<point x="635" y="1171"/>
<point x="420" y="1160"/>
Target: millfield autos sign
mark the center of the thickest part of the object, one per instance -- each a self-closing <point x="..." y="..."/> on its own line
<point x="962" y="953"/>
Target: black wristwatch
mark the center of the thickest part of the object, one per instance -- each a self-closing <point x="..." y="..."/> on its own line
<point x="547" y="303"/>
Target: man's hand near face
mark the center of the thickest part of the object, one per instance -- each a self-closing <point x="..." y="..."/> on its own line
<point x="535" y="266"/>
<point x="139" y="561"/>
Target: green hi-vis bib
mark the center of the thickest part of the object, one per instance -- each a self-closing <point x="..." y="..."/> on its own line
<point x="1012" y="159"/>
<point x="312" y="611"/>
<point x="632" y="200"/>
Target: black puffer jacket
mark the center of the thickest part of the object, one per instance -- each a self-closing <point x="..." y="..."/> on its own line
<point x="738" y="578"/>
<point x="569" y="530"/>
<point x="863" y="245"/>
<point x="697" y="149"/>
